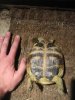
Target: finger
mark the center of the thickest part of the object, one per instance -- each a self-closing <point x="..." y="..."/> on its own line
<point x="5" y="43"/>
<point x="1" y="41"/>
<point x="14" y="47"/>
<point x="18" y="74"/>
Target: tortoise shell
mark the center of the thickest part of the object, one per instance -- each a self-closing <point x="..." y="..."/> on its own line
<point x="45" y="59"/>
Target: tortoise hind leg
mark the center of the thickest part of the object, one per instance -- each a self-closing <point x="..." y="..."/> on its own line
<point x="40" y="86"/>
<point x="59" y="82"/>
<point x="29" y="85"/>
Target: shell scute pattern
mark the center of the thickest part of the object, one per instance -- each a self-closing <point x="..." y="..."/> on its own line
<point x="36" y="66"/>
<point x="52" y="60"/>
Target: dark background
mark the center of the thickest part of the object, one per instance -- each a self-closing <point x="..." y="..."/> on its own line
<point x="48" y="3"/>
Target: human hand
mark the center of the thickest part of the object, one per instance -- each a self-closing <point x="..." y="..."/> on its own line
<point x="9" y="77"/>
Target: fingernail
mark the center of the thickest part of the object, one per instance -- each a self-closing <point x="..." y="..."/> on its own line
<point x="8" y="33"/>
<point x="1" y="37"/>
<point x="17" y="36"/>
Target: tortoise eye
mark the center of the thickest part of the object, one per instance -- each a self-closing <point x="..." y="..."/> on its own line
<point x="50" y="45"/>
<point x="39" y="44"/>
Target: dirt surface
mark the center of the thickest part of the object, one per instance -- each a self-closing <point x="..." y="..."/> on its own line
<point x="51" y="24"/>
<point x="4" y="21"/>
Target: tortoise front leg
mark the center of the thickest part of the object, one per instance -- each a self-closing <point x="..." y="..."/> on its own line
<point x="61" y="71"/>
<point x="59" y="82"/>
<point x="30" y="85"/>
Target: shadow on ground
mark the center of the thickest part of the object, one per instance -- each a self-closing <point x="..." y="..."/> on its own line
<point x="7" y="96"/>
<point x="73" y="90"/>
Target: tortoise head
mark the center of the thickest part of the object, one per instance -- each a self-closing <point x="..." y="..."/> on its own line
<point x="38" y="42"/>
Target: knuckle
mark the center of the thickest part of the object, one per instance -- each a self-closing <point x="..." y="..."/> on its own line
<point x="5" y="44"/>
<point x="10" y="59"/>
<point x="14" y="46"/>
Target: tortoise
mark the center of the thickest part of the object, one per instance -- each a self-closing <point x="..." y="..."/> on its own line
<point x="45" y="64"/>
